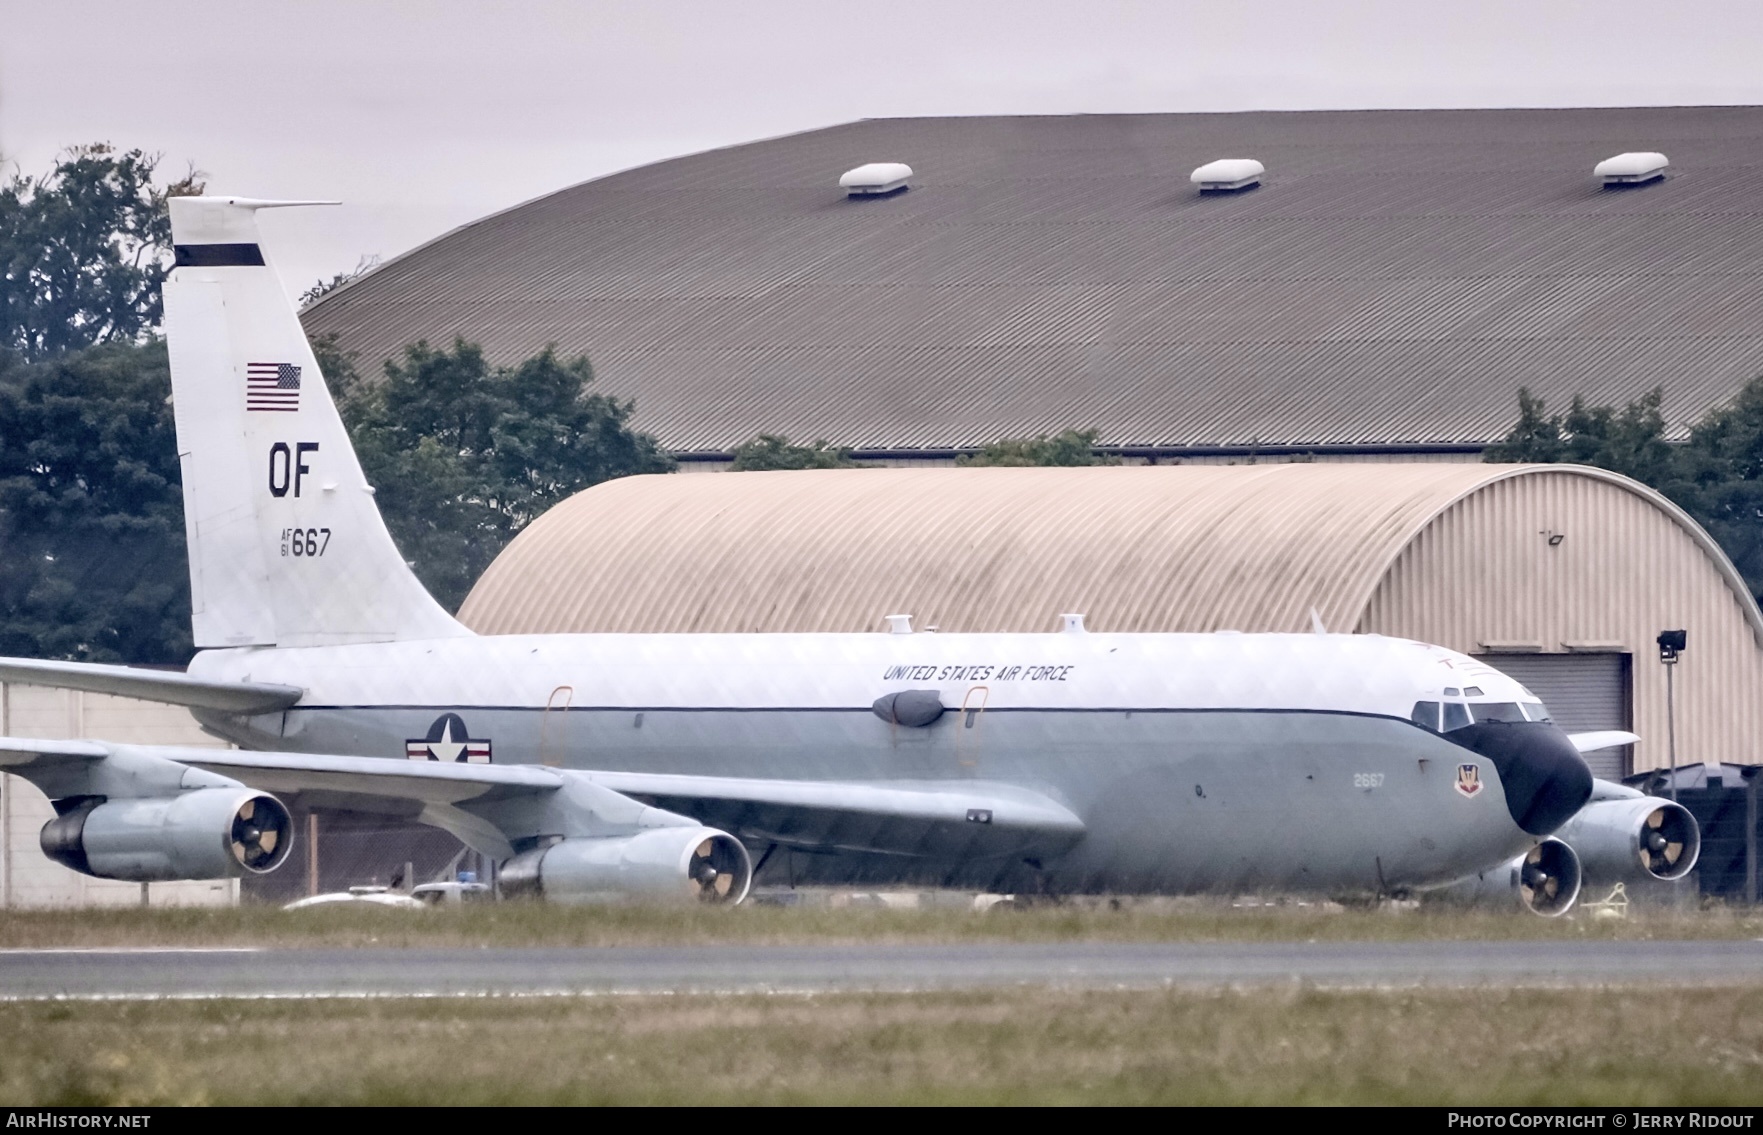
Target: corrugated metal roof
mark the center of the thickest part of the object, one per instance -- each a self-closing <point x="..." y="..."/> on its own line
<point x="1135" y="548"/>
<point x="1397" y="278"/>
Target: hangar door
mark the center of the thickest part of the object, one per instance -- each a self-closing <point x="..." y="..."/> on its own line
<point x="1584" y="693"/>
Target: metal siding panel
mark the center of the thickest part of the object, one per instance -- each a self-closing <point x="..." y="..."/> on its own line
<point x="1164" y="548"/>
<point x="1482" y="573"/>
<point x="1396" y="279"/>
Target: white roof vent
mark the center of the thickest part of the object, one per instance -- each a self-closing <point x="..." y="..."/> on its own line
<point x="876" y="179"/>
<point x="1072" y="624"/>
<point x="899" y="624"/>
<point x="1630" y="169"/>
<point x="1227" y="174"/>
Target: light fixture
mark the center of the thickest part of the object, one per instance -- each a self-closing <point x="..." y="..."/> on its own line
<point x="1671" y="644"/>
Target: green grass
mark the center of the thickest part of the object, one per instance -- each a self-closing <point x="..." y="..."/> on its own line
<point x="530" y="924"/>
<point x="1028" y="1046"/>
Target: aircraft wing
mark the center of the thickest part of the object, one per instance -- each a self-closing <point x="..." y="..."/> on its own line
<point x="920" y="818"/>
<point x="927" y="818"/>
<point x="489" y="806"/>
<point x="1604" y="739"/>
<point x="167" y="686"/>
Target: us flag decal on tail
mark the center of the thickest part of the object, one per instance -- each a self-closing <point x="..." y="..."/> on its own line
<point x="272" y="386"/>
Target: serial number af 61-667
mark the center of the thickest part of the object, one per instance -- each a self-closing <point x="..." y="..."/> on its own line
<point x="305" y="541"/>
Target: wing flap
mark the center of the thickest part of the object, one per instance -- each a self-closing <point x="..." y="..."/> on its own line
<point x="167" y="686"/>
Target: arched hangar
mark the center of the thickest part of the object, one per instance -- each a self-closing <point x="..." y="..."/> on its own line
<point x="1561" y="575"/>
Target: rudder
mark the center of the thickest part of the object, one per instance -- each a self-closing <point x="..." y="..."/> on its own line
<point x="287" y="547"/>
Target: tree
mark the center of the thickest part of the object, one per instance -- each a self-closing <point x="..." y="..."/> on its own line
<point x="323" y="288"/>
<point x="1073" y="447"/>
<point x="774" y="451"/>
<point x="1722" y="480"/>
<point x="92" y="557"/>
<point x="1630" y="441"/>
<point x="1715" y="475"/>
<point x="463" y="455"/>
<point x="84" y="249"/>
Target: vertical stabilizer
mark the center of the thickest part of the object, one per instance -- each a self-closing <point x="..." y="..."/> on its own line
<point x="287" y="547"/>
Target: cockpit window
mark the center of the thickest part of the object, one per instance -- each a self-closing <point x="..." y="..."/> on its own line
<point x="1456" y="716"/>
<point x="1472" y="691"/>
<point x="1452" y="691"/>
<point x="1496" y="711"/>
<point x="1536" y="711"/>
<point x="1426" y="715"/>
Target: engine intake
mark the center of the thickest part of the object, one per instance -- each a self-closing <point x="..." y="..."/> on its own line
<point x="1544" y="880"/>
<point x="210" y="833"/>
<point x="1642" y="836"/>
<point x="660" y="864"/>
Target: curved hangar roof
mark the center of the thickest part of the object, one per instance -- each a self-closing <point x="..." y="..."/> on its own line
<point x="1393" y="280"/>
<point x="1460" y="555"/>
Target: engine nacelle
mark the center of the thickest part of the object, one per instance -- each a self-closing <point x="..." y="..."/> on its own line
<point x="659" y="864"/>
<point x="210" y="833"/>
<point x="1637" y="837"/>
<point x="1544" y="880"/>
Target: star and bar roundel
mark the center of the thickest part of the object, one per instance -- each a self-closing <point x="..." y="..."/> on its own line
<point x="449" y="741"/>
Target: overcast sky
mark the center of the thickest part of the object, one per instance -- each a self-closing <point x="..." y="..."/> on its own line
<point x="426" y="114"/>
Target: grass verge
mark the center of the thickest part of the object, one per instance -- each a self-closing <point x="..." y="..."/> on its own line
<point x="1292" y="1045"/>
<point x="534" y="924"/>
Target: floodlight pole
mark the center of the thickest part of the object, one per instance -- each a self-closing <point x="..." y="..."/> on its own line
<point x="1753" y="777"/>
<point x="1671" y="644"/>
<point x="1671" y="720"/>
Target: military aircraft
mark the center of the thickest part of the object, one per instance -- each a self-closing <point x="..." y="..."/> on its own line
<point x="616" y="766"/>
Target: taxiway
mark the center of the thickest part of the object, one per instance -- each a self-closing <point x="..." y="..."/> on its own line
<point x="424" y="972"/>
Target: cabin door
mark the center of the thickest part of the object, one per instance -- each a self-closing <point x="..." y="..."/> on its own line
<point x="554" y="726"/>
<point x="968" y="733"/>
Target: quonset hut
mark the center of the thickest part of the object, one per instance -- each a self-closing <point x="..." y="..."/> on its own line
<point x="1562" y="576"/>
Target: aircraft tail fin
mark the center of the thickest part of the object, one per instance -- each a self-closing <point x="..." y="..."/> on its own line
<point x="287" y="547"/>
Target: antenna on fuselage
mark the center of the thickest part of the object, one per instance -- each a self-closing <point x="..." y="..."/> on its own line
<point x="1316" y="622"/>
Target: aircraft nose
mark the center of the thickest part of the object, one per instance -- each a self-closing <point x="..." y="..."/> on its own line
<point x="1545" y="778"/>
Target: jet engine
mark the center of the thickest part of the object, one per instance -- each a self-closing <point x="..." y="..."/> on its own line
<point x="660" y="864"/>
<point x="209" y="833"/>
<point x="1544" y="880"/>
<point x="1616" y="839"/>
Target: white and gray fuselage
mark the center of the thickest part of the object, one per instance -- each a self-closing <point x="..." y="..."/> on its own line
<point x="1195" y="761"/>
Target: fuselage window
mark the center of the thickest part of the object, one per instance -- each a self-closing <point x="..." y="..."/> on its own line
<point x="1456" y="715"/>
<point x="1426" y="715"/>
<point x="1536" y="711"/>
<point x="1506" y="711"/>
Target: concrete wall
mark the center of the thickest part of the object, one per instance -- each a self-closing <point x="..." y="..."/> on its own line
<point x="27" y="877"/>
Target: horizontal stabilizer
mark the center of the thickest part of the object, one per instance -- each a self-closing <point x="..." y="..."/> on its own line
<point x="167" y="686"/>
<point x="1605" y="739"/>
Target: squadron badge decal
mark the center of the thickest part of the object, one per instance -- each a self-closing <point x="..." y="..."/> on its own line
<point x="449" y="741"/>
<point x="1469" y="779"/>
